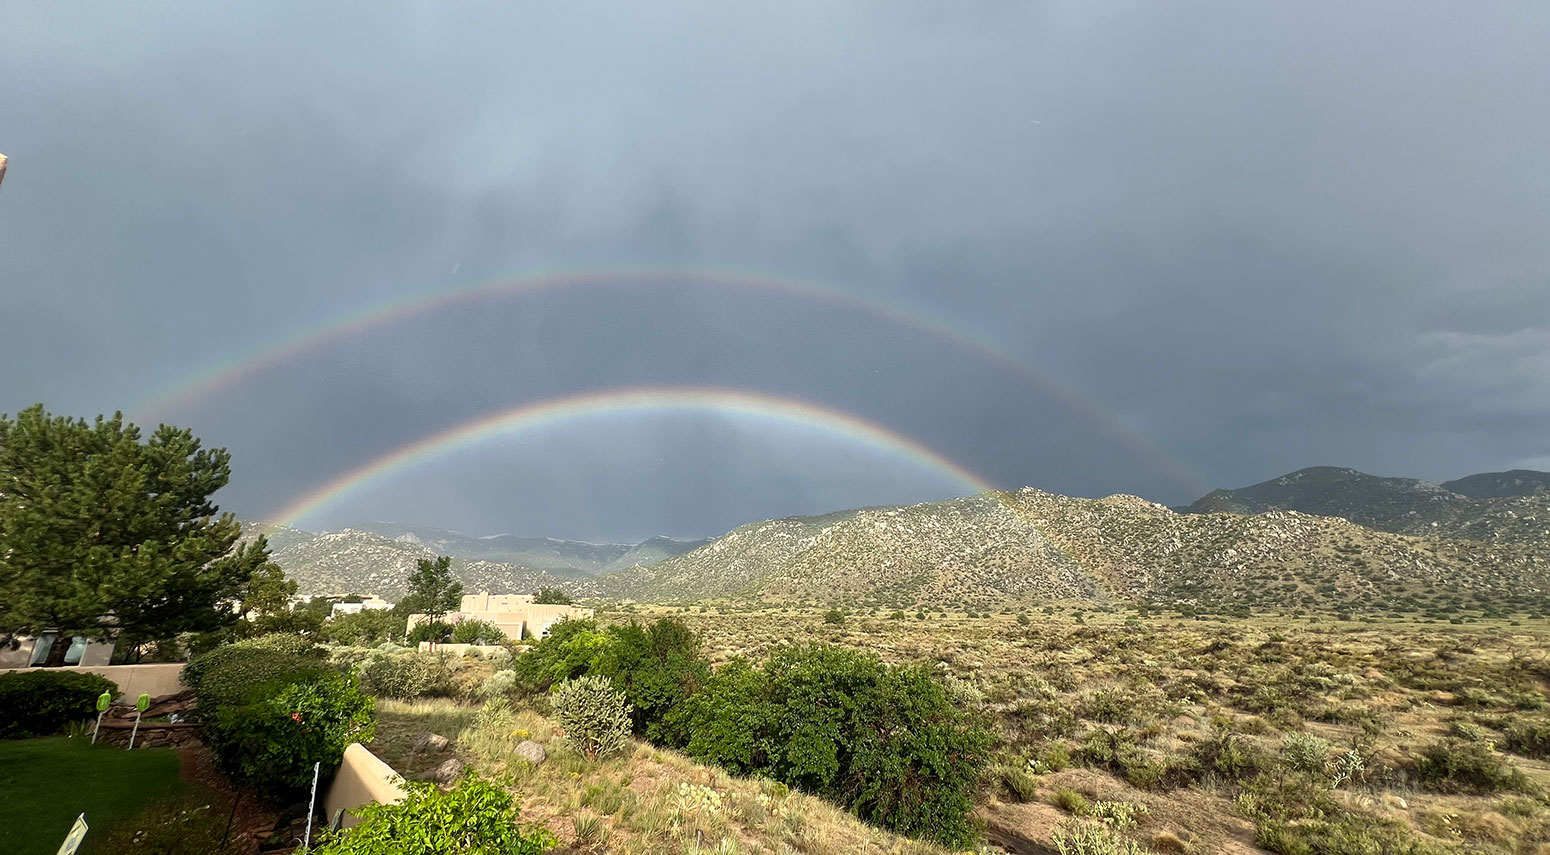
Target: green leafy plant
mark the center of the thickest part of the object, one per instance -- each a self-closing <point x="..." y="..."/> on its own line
<point x="473" y="631"/>
<point x="433" y="631"/>
<point x="885" y="742"/>
<point x="594" y="715"/>
<point x="405" y="675"/>
<point x="475" y="818"/>
<point x="552" y="596"/>
<point x="276" y="739"/>
<point x="44" y="701"/>
<point x="1093" y="838"/>
<point x="1528" y="736"/>
<point x="1468" y="767"/>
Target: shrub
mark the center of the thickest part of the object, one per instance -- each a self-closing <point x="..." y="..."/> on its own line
<point x="434" y="631"/>
<point x="501" y="684"/>
<point x="656" y="668"/>
<point x="1020" y="781"/>
<point x="237" y="676"/>
<point x="1529" y="737"/>
<point x="475" y="818"/>
<point x="594" y="716"/>
<point x="1022" y="619"/>
<point x="834" y="617"/>
<point x="477" y="632"/>
<point x="1071" y="801"/>
<point x="1228" y="755"/>
<point x="387" y="676"/>
<point x="1092" y="838"/>
<point x="1468" y="767"/>
<point x="274" y="739"/>
<point x="364" y="628"/>
<point x="278" y="643"/>
<point x="1340" y="834"/>
<point x="885" y="742"/>
<point x="42" y="701"/>
<point x="553" y="596"/>
<point x="1304" y="753"/>
<point x="571" y="649"/>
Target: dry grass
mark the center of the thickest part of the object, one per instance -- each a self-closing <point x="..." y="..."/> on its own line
<point x="645" y="801"/>
<point x="1169" y="692"/>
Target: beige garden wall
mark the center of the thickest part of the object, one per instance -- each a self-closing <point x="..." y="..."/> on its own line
<point x="362" y="779"/>
<point x="155" y="679"/>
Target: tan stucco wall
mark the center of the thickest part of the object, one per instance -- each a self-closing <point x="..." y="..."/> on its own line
<point x="460" y="649"/>
<point x="362" y="779"/>
<point x="155" y="679"/>
<point x="513" y="613"/>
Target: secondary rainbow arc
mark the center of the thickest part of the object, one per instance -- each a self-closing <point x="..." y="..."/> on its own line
<point x="231" y="372"/>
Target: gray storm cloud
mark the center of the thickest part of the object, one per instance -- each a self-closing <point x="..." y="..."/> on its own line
<point x="1261" y="238"/>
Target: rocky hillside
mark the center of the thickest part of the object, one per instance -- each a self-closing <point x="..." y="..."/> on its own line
<point x="1501" y="485"/>
<point x="564" y="558"/>
<point x="360" y="562"/>
<point x="1493" y="506"/>
<point x="1029" y="547"/>
<point x="651" y="551"/>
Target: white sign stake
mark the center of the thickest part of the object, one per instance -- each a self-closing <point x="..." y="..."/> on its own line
<point x="312" y="806"/>
<point x="103" y="700"/>
<point x="142" y="704"/>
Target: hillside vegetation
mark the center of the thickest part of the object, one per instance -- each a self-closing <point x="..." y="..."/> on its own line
<point x="1495" y="506"/>
<point x="1030" y="547"/>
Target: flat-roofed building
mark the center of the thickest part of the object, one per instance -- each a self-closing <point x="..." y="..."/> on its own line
<point x="515" y="614"/>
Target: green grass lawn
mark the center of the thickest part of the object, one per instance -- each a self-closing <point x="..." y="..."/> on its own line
<point x="47" y="782"/>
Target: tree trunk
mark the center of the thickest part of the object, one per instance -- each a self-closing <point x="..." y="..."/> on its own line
<point x="56" y="653"/>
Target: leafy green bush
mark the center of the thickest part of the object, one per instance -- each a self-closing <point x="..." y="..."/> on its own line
<point x="501" y="684"/>
<point x="1527" y="736"/>
<point x="41" y="701"/>
<point x="1018" y="780"/>
<point x="1071" y="801"/>
<point x="571" y="649"/>
<point x="594" y="715"/>
<point x="1304" y="753"/>
<point x="1468" y="767"/>
<point x="834" y="617"/>
<point x="405" y="675"/>
<point x="1093" y="838"/>
<point x="477" y="632"/>
<point x="885" y="742"/>
<point x="475" y="818"/>
<point x="1341" y="833"/>
<point x="280" y="643"/>
<point x="271" y="708"/>
<point x="553" y="596"/>
<point x="273" y="739"/>
<point x="235" y="677"/>
<point x="434" y="631"/>
<point x="656" y="668"/>
<point x="365" y="628"/>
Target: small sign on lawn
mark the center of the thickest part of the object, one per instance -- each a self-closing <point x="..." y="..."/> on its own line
<point x="103" y="700"/>
<point x="74" y="838"/>
<point x="143" y="702"/>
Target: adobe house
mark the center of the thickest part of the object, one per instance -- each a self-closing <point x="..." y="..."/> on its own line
<point x="515" y="614"/>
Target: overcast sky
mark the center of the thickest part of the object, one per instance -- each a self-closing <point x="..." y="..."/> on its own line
<point x="1259" y="238"/>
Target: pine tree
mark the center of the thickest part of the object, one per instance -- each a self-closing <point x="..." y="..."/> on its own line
<point x="104" y="535"/>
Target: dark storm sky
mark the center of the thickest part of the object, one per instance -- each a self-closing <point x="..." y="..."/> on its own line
<point x="1260" y="238"/>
